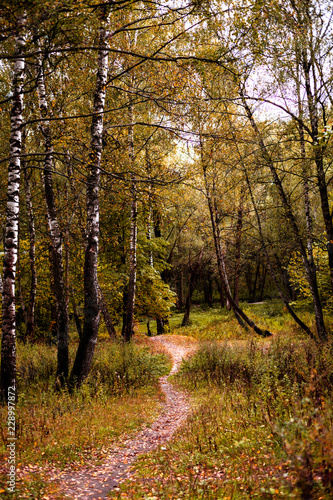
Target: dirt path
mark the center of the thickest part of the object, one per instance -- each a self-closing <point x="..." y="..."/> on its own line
<point x="95" y="482"/>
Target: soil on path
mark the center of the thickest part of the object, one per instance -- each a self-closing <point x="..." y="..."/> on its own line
<point x="95" y="482"/>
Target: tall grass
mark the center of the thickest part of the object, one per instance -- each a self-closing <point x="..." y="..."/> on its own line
<point x="221" y="324"/>
<point x="55" y="427"/>
<point x="263" y="427"/>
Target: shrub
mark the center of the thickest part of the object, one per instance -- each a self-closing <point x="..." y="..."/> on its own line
<point x="288" y="388"/>
<point x="117" y="367"/>
<point x="124" y="367"/>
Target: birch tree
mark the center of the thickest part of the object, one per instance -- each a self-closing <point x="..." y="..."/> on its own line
<point x="88" y="339"/>
<point x="8" y="345"/>
<point x="56" y="256"/>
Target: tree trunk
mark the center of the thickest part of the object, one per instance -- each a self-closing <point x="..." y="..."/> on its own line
<point x="238" y="247"/>
<point x="88" y="340"/>
<point x="150" y="208"/>
<point x="239" y="313"/>
<point x="271" y="267"/>
<point x="307" y="204"/>
<point x="8" y="345"/>
<point x="160" y="326"/>
<point x="221" y="292"/>
<point x="55" y="233"/>
<point x="194" y="274"/>
<point x="263" y="282"/>
<point x="128" y="323"/>
<point x="208" y="291"/>
<point x="311" y="273"/>
<point x="30" y="325"/>
<point x="160" y="322"/>
<point x="76" y="316"/>
<point x="253" y="290"/>
<point x="106" y="316"/>
<point x="318" y="153"/>
<point x="23" y="316"/>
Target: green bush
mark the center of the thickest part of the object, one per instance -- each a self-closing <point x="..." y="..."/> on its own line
<point x="124" y="367"/>
<point x="219" y="364"/>
<point x="283" y="362"/>
<point x="117" y="367"/>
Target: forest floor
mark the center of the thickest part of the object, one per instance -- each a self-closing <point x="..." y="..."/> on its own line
<point x="96" y="478"/>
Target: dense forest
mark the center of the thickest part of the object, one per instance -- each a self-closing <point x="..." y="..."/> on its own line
<point x="160" y="157"/>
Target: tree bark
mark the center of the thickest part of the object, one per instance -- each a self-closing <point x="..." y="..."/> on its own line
<point x="8" y="345"/>
<point x="55" y="233"/>
<point x="128" y="323"/>
<point x="88" y="340"/>
<point x="30" y="325"/>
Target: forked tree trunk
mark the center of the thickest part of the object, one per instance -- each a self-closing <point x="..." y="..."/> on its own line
<point x="271" y="267"/>
<point x="310" y="272"/>
<point x="239" y="313"/>
<point x="88" y="339"/>
<point x="318" y="154"/>
<point x="304" y="161"/>
<point x="128" y="323"/>
<point x="8" y="345"/>
<point x="55" y="233"/>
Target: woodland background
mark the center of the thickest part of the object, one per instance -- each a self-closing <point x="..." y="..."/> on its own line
<point x="157" y="156"/>
<point x="154" y="149"/>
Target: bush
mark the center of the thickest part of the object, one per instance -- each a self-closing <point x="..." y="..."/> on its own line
<point x="117" y="367"/>
<point x="124" y="367"/>
<point x="220" y="364"/>
<point x="287" y="387"/>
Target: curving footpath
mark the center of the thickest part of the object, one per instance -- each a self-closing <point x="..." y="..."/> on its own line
<point x="94" y="483"/>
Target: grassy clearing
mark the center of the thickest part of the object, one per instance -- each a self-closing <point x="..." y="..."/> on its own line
<point x="58" y="428"/>
<point x="220" y="324"/>
<point x="263" y="427"/>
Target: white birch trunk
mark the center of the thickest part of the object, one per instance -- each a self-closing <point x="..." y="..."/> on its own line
<point x="54" y="231"/>
<point x="8" y="347"/>
<point x="88" y="340"/>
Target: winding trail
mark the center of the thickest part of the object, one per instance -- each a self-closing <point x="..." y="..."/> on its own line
<point x="94" y="483"/>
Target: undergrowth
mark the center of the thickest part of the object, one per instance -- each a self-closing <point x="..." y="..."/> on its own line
<point x="263" y="427"/>
<point x="221" y="324"/>
<point x="55" y="427"/>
